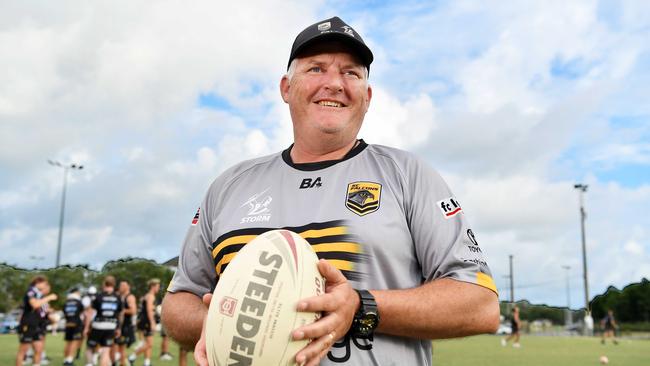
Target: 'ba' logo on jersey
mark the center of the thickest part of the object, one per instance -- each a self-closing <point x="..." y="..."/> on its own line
<point x="363" y="197"/>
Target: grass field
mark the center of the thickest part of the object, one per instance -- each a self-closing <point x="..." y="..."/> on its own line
<point x="474" y="351"/>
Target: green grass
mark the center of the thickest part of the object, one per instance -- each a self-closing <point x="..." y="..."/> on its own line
<point x="539" y="350"/>
<point x="474" y="351"/>
<point x="54" y="348"/>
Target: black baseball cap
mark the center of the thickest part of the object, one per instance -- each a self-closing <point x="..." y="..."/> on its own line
<point x="331" y="29"/>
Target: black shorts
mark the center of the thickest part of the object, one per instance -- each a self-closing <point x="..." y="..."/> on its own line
<point x="28" y="333"/>
<point x="514" y="327"/>
<point x="73" y="332"/>
<point x="101" y="337"/>
<point x="127" y="336"/>
<point x="145" y="328"/>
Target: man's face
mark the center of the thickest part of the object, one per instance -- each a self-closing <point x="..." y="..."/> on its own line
<point x="328" y="93"/>
<point x="124" y="288"/>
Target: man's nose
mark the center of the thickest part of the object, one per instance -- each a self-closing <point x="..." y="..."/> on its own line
<point x="334" y="81"/>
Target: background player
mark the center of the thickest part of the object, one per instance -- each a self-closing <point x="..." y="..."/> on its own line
<point x="29" y="329"/>
<point x="127" y="334"/>
<point x="147" y="322"/>
<point x="515" y="324"/>
<point x="609" y="327"/>
<point x="73" y="311"/>
<point x="164" y="342"/>
<point x="105" y="326"/>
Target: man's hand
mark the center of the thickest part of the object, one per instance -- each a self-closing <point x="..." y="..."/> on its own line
<point x="200" y="352"/>
<point x="338" y="305"/>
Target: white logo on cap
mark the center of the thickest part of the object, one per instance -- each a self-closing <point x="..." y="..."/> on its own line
<point x="324" y="26"/>
<point x="348" y="30"/>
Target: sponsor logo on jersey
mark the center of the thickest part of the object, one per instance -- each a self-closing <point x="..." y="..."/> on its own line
<point x="449" y="207"/>
<point x="195" y="220"/>
<point x="363" y="198"/>
<point x="473" y="248"/>
<point x="258" y="208"/>
<point x="311" y="183"/>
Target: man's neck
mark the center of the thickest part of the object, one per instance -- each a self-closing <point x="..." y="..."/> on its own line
<point x="303" y="153"/>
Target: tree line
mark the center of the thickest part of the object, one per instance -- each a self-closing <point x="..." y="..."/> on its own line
<point x="14" y="281"/>
<point x="630" y="305"/>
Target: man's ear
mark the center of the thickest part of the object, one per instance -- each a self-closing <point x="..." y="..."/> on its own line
<point x="284" y="88"/>
<point x="369" y="97"/>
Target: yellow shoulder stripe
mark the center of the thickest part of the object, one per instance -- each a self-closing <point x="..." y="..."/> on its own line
<point x="486" y="281"/>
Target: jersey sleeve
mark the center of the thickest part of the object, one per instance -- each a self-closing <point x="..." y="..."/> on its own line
<point x="444" y="242"/>
<point x="196" y="273"/>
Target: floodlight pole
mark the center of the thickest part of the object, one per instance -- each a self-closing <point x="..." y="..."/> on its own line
<point x="567" y="316"/>
<point x="62" y="213"/>
<point x="512" y="282"/>
<point x="568" y="291"/>
<point x="582" y="189"/>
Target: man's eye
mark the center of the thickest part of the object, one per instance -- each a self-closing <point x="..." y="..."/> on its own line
<point x="352" y="74"/>
<point x="315" y="69"/>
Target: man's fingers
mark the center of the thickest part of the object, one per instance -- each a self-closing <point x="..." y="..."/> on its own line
<point x="326" y="325"/>
<point x="200" y="352"/>
<point x="327" y="303"/>
<point x="201" y="359"/>
<point x="206" y="299"/>
<point x="316" y="350"/>
<point x="332" y="275"/>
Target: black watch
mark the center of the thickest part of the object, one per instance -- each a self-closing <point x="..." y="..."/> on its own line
<point x="366" y="318"/>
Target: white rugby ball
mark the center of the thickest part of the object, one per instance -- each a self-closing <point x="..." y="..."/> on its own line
<point x="253" y="308"/>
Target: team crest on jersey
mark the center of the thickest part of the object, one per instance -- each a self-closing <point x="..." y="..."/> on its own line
<point x="363" y="198"/>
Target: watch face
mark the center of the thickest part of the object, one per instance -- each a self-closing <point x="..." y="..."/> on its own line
<point x="368" y="323"/>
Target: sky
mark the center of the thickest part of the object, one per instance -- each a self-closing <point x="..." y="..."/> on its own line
<point x="513" y="102"/>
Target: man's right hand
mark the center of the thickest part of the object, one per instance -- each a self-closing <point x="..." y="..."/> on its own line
<point x="200" y="352"/>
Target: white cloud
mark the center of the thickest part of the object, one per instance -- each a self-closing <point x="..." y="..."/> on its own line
<point x="390" y="121"/>
<point x="512" y="107"/>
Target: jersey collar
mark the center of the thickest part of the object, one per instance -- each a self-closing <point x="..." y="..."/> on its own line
<point x="310" y="167"/>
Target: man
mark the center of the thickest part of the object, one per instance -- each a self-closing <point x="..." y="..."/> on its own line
<point x="29" y="327"/>
<point x="107" y="317"/>
<point x="609" y="326"/>
<point x="147" y="322"/>
<point x="73" y="310"/>
<point x="515" y="325"/>
<point x="46" y="314"/>
<point x="127" y="333"/>
<point x="164" y="342"/>
<point x="396" y="236"/>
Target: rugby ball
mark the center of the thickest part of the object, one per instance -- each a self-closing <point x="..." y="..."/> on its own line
<point x="253" y="307"/>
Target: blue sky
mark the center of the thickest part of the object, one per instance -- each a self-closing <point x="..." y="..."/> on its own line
<point x="513" y="102"/>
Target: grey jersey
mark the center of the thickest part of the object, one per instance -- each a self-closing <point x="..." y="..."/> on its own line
<point x="381" y="216"/>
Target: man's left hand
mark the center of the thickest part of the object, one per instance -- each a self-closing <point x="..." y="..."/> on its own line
<point x="338" y="306"/>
